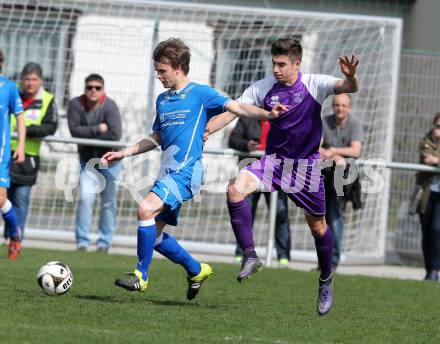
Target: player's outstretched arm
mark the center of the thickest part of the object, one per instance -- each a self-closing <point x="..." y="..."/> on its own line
<point x="348" y="68"/>
<point x="251" y="111"/>
<point x="236" y="108"/>
<point x="219" y="122"/>
<point x="144" y="145"/>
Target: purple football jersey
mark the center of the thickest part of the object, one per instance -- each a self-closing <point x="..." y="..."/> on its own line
<point x="296" y="134"/>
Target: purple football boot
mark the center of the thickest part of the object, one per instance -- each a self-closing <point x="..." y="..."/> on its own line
<point x="249" y="266"/>
<point x="325" y="296"/>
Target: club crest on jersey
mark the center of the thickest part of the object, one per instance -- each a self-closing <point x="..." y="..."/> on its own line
<point x="274" y="100"/>
<point x="297" y="97"/>
<point x="161" y="118"/>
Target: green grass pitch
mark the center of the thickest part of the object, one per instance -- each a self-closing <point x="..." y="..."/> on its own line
<point x="276" y="306"/>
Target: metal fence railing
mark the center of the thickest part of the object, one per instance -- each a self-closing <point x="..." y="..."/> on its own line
<point x="204" y="225"/>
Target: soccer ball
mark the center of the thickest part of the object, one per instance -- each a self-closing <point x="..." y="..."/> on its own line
<point x="55" y="278"/>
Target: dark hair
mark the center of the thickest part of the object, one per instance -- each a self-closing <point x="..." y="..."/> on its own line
<point x="31" y="68"/>
<point x="2" y="57"/>
<point x="287" y="46"/>
<point x="436" y="117"/>
<point x="174" y="52"/>
<point x="94" y="77"/>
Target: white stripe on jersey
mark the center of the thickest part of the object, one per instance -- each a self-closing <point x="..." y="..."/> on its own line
<point x="2" y="150"/>
<point x="192" y="136"/>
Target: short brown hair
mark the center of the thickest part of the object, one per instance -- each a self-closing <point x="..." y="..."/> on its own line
<point x="436" y="117"/>
<point x="174" y="52"/>
<point x="287" y="46"/>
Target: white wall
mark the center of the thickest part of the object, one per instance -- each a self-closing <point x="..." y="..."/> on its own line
<point x="120" y="50"/>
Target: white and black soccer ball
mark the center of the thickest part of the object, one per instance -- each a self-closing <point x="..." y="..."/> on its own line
<point x="55" y="278"/>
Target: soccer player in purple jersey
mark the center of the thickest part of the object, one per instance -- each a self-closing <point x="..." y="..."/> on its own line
<point x="291" y="160"/>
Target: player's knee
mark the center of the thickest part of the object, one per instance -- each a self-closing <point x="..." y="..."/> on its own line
<point x="318" y="229"/>
<point x="3" y="199"/>
<point x="145" y="212"/>
<point x="233" y="193"/>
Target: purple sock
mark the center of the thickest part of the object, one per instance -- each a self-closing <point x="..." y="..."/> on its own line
<point x="324" y="250"/>
<point x="241" y="221"/>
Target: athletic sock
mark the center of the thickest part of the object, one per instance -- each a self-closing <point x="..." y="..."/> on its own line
<point x="241" y="221"/>
<point x="168" y="246"/>
<point x="146" y="237"/>
<point x="8" y="214"/>
<point x="324" y="250"/>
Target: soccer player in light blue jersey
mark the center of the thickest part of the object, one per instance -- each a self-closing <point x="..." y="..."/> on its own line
<point x="181" y="116"/>
<point x="10" y="103"/>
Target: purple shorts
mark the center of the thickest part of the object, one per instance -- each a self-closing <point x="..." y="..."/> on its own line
<point x="300" y="179"/>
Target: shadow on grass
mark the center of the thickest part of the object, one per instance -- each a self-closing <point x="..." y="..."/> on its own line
<point x="117" y="299"/>
<point x="182" y="303"/>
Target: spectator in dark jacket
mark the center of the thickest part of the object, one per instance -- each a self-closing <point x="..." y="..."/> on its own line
<point x="250" y="135"/>
<point x="95" y="116"/>
<point x="429" y="204"/>
<point x="41" y="119"/>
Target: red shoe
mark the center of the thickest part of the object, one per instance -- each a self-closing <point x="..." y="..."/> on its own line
<point x="14" y="248"/>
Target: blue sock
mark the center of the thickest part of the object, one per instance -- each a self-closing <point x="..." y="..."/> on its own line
<point x="170" y="248"/>
<point x="145" y="245"/>
<point x="10" y="219"/>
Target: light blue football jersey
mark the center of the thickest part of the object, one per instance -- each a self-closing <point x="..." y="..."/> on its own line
<point x="181" y="121"/>
<point x="10" y="103"/>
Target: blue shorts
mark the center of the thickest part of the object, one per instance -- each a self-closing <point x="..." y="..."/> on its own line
<point x="174" y="189"/>
<point x="5" y="180"/>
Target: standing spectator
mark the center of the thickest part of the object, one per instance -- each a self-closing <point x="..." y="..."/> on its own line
<point x="95" y="116"/>
<point x="10" y="103"/>
<point x="429" y="205"/>
<point x="342" y="139"/>
<point x="41" y="119"/>
<point x="250" y="135"/>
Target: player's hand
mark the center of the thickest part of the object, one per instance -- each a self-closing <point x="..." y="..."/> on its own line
<point x="348" y="66"/>
<point x="19" y="155"/>
<point x="110" y="157"/>
<point x="277" y="110"/>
